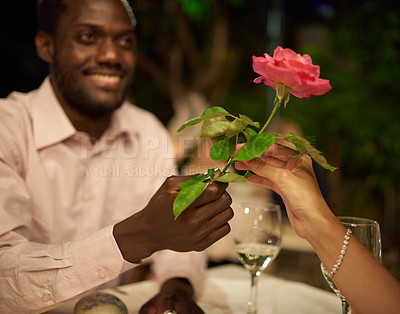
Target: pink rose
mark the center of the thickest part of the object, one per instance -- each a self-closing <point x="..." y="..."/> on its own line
<point x="291" y="69"/>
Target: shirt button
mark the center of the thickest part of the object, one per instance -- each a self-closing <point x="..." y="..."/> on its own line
<point x="46" y="297"/>
<point x="100" y="272"/>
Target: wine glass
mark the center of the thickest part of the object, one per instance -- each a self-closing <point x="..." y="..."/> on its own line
<point x="368" y="233"/>
<point x="257" y="237"/>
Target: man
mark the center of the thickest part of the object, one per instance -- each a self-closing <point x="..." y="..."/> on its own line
<point x="80" y="169"/>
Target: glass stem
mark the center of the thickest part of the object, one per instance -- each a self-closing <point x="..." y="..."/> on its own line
<point x="252" y="309"/>
<point x="346" y="309"/>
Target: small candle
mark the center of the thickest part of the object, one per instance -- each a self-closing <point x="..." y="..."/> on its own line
<point x="100" y="302"/>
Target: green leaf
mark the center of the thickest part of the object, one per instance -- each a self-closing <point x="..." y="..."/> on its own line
<point x="211" y="173"/>
<point x="214" y="110"/>
<point x="255" y="147"/>
<point x="299" y="142"/>
<point x="235" y="127"/>
<point x="215" y="127"/>
<point x="249" y="121"/>
<point x="230" y="177"/>
<point x="209" y="113"/>
<point x="200" y="177"/>
<point x="222" y="150"/>
<point x="319" y="158"/>
<point x="249" y="133"/>
<point x="187" y="195"/>
<point x="304" y="146"/>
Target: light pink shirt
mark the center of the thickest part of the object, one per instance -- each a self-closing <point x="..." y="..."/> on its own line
<point x="60" y="196"/>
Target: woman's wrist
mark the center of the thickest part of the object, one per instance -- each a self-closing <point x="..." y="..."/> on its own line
<point x="326" y="236"/>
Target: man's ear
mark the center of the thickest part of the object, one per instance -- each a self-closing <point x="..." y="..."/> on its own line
<point x="44" y="46"/>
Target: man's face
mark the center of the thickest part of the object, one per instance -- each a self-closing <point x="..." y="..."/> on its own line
<point x="93" y="59"/>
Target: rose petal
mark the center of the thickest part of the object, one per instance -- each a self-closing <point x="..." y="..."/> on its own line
<point x="273" y="73"/>
<point x="318" y="87"/>
<point x="291" y="69"/>
<point x="264" y="80"/>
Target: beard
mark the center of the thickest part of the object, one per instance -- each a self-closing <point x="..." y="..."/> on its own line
<point x="78" y="97"/>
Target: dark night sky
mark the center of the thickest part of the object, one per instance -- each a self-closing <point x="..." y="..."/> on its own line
<point x="20" y="67"/>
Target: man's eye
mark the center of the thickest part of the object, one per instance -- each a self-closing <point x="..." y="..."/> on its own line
<point x="126" y="42"/>
<point x="87" y="37"/>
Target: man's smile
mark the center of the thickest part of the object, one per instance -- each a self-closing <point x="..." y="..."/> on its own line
<point x="105" y="80"/>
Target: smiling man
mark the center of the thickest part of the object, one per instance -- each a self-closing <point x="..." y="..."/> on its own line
<point x="91" y="59"/>
<point x="83" y="174"/>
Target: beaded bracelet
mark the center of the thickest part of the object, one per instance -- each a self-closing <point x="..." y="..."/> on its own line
<point x="342" y="253"/>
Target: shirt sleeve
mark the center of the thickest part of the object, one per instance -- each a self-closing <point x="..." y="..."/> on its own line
<point x="190" y="265"/>
<point x="34" y="275"/>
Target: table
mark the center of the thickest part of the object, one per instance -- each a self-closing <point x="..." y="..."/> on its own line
<point x="226" y="292"/>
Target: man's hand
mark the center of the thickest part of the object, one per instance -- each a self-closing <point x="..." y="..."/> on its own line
<point x="175" y="294"/>
<point x="154" y="228"/>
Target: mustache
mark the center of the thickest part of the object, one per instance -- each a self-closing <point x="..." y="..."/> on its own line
<point x="108" y="69"/>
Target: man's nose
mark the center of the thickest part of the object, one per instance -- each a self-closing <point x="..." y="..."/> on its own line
<point x="108" y="53"/>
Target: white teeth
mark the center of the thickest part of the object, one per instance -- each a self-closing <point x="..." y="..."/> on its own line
<point x="106" y="78"/>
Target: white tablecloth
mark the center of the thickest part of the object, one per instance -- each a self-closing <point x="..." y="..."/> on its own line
<point x="227" y="290"/>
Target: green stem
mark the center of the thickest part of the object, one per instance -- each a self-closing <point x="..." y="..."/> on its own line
<point x="230" y="163"/>
<point x="277" y="105"/>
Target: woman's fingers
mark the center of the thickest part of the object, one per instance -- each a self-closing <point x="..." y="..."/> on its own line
<point x="262" y="181"/>
<point x="259" y="167"/>
<point x="280" y="152"/>
<point x="277" y="154"/>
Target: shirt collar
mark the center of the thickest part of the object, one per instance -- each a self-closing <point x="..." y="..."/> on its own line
<point x="50" y="123"/>
<point x="123" y="123"/>
<point x="47" y="114"/>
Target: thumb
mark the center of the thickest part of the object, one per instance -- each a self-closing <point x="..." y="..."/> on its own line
<point x="241" y="165"/>
<point x="264" y="174"/>
<point x="256" y="165"/>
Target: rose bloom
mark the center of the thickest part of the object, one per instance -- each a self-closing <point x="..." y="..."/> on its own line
<point x="291" y="69"/>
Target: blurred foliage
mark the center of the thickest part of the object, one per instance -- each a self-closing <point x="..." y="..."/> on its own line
<point x="356" y="123"/>
<point x="244" y="23"/>
<point x="360" y="114"/>
<point x="197" y="9"/>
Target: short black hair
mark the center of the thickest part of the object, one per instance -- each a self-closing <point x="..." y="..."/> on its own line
<point x="49" y="13"/>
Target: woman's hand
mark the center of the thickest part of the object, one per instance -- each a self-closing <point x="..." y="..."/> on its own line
<point x="291" y="175"/>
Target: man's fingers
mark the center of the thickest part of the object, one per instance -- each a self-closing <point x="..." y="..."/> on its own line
<point x="211" y="209"/>
<point x="173" y="181"/>
<point x="213" y="192"/>
<point x="215" y="235"/>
